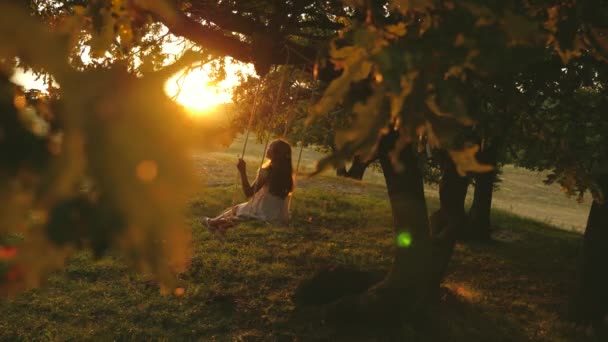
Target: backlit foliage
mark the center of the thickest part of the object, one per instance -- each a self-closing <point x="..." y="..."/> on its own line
<point x="103" y="163"/>
<point x="422" y="59"/>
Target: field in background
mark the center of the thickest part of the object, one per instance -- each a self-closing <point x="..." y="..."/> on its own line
<point x="521" y="192"/>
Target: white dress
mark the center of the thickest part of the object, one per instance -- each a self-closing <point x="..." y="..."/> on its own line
<point x="265" y="206"/>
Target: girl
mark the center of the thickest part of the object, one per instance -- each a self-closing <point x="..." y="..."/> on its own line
<point x="269" y="193"/>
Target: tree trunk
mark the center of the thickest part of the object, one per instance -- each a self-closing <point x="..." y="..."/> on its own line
<point x="420" y="261"/>
<point x="481" y="208"/>
<point x="410" y="215"/>
<point x="357" y="169"/>
<point x="593" y="295"/>
<point x="341" y="171"/>
<point x="448" y="222"/>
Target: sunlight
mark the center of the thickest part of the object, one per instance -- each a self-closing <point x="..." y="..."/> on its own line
<point x="465" y="291"/>
<point x="197" y="91"/>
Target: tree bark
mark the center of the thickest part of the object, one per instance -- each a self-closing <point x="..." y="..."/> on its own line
<point x="448" y="222"/>
<point x="420" y="260"/>
<point x="410" y="215"/>
<point x="593" y="290"/>
<point x="481" y="208"/>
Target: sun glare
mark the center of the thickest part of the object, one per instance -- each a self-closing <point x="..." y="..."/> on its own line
<point x="197" y="92"/>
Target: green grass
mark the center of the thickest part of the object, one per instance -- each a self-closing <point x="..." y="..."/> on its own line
<point x="521" y="191"/>
<point x="513" y="289"/>
<point x="241" y="289"/>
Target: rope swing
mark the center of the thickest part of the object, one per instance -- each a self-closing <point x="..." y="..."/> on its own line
<point x="251" y="116"/>
<point x="290" y="113"/>
<point x="255" y="105"/>
<point x="312" y="98"/>
<point x="274" y="106"/>
<point x="289" y="117"/>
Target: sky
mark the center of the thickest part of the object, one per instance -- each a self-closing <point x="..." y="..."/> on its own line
<point x="28" y="80"/>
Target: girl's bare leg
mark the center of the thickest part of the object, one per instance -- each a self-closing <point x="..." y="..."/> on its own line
<point x="225" y="220"/>
<point x="227" y="214"/>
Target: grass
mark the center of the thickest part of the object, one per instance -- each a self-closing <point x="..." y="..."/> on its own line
<point x="521" y="191"/>
<point x="513" y="289"/>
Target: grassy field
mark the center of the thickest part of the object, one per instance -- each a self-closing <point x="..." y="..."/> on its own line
<point x="521" y="192"/>
<point x="242" y="289"/>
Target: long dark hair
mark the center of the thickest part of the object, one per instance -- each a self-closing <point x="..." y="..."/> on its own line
<point x="281" y="171"/>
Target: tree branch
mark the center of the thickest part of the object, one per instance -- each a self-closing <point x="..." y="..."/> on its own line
<point x="216" y="41"/>
<point x="181" y="25"/>
<point x="188" y="58"/>
<point x="226" y="19"/>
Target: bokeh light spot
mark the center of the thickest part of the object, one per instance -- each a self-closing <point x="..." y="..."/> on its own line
<point x="378" y="77"/>
<point x="7" y="252"/>
<point x="147" y="170"/>
<point x="404" y="239"/>
<point x="19" y="101"/>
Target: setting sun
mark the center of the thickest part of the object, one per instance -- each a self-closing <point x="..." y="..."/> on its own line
<point x="198" y="93"/>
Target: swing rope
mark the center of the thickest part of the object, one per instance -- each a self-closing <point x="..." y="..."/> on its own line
<point x="252" y="115"/>
<point x="255" y="106"/>
<point x="312" y="98"/>
<point x="292" y="110"/>
<point x="289" y="117"/>
<point x="274" y="110"/>
<point x="274" y="107"/>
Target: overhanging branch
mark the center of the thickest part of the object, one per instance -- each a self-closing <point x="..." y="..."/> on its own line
<point x="216" y="41"/>
<point x="227" y="20"/>
<point x="188" y="58"/>
<point x="181" y="25"/>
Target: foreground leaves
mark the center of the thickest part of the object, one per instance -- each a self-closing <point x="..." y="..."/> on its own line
<point x="111" y="172"/>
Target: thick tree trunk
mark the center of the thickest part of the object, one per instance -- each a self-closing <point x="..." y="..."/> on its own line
<point x="481" y="208"/>
<point x="448" y="222"/>
<point x="341" y="171"/>
<point x="408" y="206"/>
<point x="593" y="295"/>
<point x="357" y="169"/>
<point x="420" y="260"/>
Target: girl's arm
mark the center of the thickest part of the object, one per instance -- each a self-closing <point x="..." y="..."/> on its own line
<point x="249" y="190"/>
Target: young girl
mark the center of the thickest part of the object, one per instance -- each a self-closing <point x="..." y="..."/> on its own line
<point x="268" y="195"/>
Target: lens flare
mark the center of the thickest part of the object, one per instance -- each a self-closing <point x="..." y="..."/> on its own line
<point x="404" y="239"/>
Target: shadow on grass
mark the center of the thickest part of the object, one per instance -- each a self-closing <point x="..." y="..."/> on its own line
<point x="454" y="318"/>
